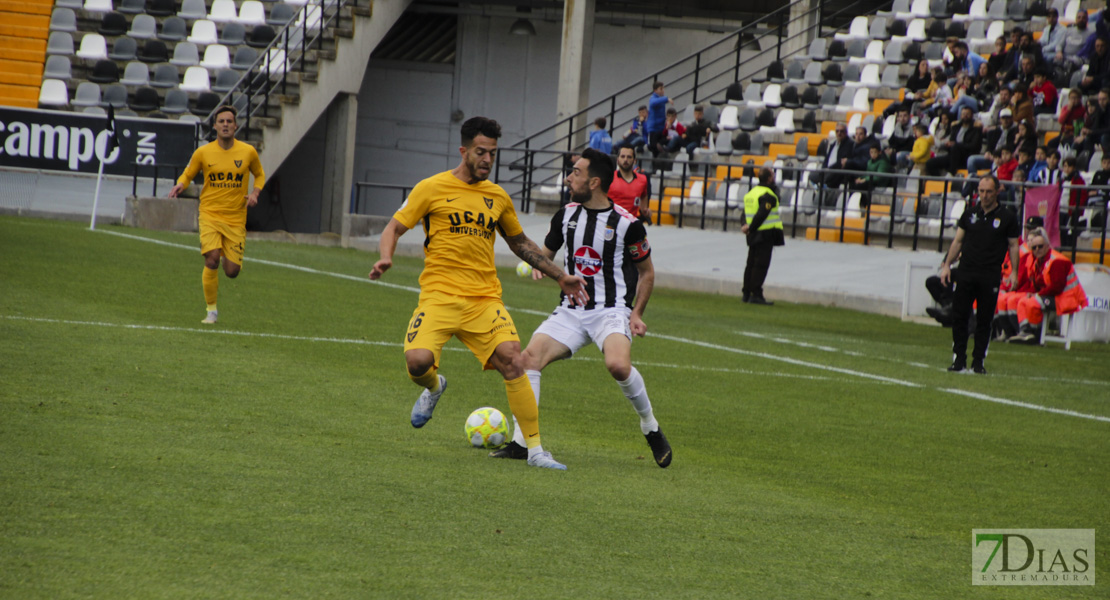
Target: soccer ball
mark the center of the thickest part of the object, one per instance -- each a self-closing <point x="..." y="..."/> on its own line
<point x="487" y="428"/>
<point x="524" y="269"/>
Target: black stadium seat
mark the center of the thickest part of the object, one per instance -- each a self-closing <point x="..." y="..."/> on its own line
<point x="735" y="91"/>
<point x="261" y="36"/>
<point x="145" y="100"/>
<point x="154" y="51"/>
<point x="790" y="98"/>
<point x="105" y="71"/>
<point x="809" y="122"/>
<point x="161" y="8"/>
<point x="206" y="103"/>
<point x="113" y="24"/>
<point x="937" y="31"/>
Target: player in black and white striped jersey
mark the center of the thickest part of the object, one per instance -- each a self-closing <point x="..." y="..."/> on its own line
<point x="608" y="248"/>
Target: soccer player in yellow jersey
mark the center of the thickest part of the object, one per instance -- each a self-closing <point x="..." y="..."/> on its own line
<point x="227" y="164"/>
<point x="460" y="294"/>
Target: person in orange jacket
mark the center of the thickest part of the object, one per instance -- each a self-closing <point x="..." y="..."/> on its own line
<point x="1055" y="287"/>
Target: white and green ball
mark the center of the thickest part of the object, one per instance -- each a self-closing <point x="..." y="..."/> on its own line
<point x="487" y="427"/>
<point x="524" y="269"/>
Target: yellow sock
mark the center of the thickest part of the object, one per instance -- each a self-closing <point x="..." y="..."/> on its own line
<point x="523" y="404"/>
<point x="210" y="280"/>
<point x="429" y="380"/>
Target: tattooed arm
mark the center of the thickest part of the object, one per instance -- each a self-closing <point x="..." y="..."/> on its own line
<point x="573" y="286"/>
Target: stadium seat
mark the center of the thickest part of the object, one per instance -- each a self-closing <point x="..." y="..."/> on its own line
<point x="747" y="120"/>
<point x="206" y="103"/>
<point x="811" y="98"/>
<point x="956" y="29"/>
<point x="57" y="67"/>
<point x="193" y="10"/>
<point x="251" y="12"/>
<point x="196" y="80"/>
<point x="222" y="11"/>
<point x="161" y="8"/>
<point x="937" y="31"/>
<point x="275" y="63"/>
<point x="795" y="72"/>
<point x="87" y="94"/>
<point x="174" y="29"/>
<point x="900" y="6"/>
<point x="53" y="93"/>
<point x="93" y="47"/>
<point x="765" y="119"/>
<point x="232" y="34"/>
<point x="98" y="6"/>
<point x="113" y="24"/>
<point x="104" y="71"/>
<point x="790" y="97"/>
<point x="741" y="142"/>
<point x="828" y="99"/>
<point x="63" y="19"/>
<point x="154" y="51"/>
<point x="132" y="7"/>
<point x="977" y="11"/>
<point x="244" y="58"/>
<point x="165" y="76"/>
<point x="723" y="144"/>
<point x="784" y="121"/>
<point x="896" y="28"/>
<point x="856" y="50"/>
<point x="813" y="75"/>
<point x="729" y="119"/>
<point x="204" y="33"/>
<point x="818" y="50"/>
<point x="145" y="100"/>
<point x="857" y="30"/>
<point x="878" y="29"/>
<point x="226" y="80"/>
<point x="136" y="74"/>
<point x="837" y="50"/>
<point x="123" y="49"/>
<point x="809" y="121"/>
<point x="261" y="36"/>
<point x="772" y="96"/>
<point x="176" y="103"/>
<point x="60" y="42"/>
<point x="281" y="14"/>
<point x="869" y="76"/>
<point x="891" y="78"/>
<point x="185" y="54"/>
<point x="216" y="57"/>
<point x="753" y="95"/>
<point x="241" y="102"/>
<point x="114" y="95"/>
<point x="143" y="27"/>
<point x="734" y="91"/>
<point x="833" y="75"/>
<point x="94" y="110"/>
<point x="997" y="10"/>
<point x="892" y="53"/>
<point x="938" y="9"/>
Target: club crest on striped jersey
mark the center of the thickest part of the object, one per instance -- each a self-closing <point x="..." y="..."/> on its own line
<point x="587" y="261"/>
<point x="609" y="233"/>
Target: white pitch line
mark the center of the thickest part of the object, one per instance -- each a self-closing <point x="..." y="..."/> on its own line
<point x="764" y="355"/>
<point x="783" y="340"/>
<point x="1059" y="411"/>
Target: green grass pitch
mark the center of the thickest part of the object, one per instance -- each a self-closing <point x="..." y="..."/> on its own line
<point x="819" y="453"/>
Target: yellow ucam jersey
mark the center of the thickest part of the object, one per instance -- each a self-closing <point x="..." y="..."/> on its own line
<point x="226" y="180"/>
<point x="459" y="223"/>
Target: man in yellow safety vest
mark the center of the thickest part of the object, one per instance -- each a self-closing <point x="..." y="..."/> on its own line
<point x="762" y="224"/>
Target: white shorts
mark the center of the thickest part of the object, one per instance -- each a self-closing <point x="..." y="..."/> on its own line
<point x="575" y="328"/>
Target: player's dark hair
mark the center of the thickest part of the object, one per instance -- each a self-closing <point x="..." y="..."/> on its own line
<point x="656" y="85"/>
<point x="475" y="126"/>
<point x="600" y="122"/>
<point x="601" y="166"/>
<point x="223" y="109"/>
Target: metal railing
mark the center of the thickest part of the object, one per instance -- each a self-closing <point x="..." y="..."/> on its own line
<point x="739" y="56"/>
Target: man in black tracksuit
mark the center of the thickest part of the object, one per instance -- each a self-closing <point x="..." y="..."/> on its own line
<point x="984" y="234"/>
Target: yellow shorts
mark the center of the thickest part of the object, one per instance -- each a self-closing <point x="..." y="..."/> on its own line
<point x="480" y="323"/>
<point x="215" y="235"/>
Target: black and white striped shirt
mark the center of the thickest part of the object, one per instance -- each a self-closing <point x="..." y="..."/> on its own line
<point x="602" y="247"/>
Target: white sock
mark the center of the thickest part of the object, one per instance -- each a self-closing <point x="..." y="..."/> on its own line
<point x="534" y="380"/>
<point x="636" y="392"/>
<point x="534" y="451"/>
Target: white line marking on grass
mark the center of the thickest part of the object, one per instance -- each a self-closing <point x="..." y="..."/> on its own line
<point x="1059" y="411"/>
<point x="782" y="340"/>
<point x="271" y="263"/>
<point x="786" y="359"/>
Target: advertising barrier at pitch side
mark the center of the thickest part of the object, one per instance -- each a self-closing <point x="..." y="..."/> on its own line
<point x="75" y="142"/>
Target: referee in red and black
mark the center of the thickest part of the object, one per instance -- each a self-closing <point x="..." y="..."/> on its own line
<point x="984" y="234"/>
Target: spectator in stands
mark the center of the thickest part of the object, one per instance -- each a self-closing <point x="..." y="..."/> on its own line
<point x="861" y="149"/>
<point x="1043" y="94"/>
<point x="965" y="60"/>
<point x="1003" y="100"/>
<point x="995" y="139"/>
<point x="657" y="117"/>
<point x="997" y="59"/>
<point x="631" y="189"/>
<point x="1005" y="164"/>
<point x="637" y="135"/>
<point x="1025" y="163"/>
<point x="1067" y="57"/>
<point x="836" y="158"/>
<point x="697" y="132"/>
<point x="1023" y="104"/>
<point x="1073" y="112"/>
<point x="962" y="95"/>
<point x="942" y="101"/>
<point x="925" y="100"/>
<point x="917" y="83"/>
<point x="984" y="86"/>
<point x="902" y="138"/>
<point x="1098" y="68"/>
<point x="1056" y="288"/>
<point x="1012" y="63"/>
<point x="600" y="139"/>
<point x="1051" y="173"/>
<point x="1053" y="35"/>
<point x="922" y="146"/>
<point x="1074" y="198"/>
<point x="984" y="234"/>
<point x="966" y="140"/>
<point x="1096" y="130"/>
<point x="1025" y="75"/>
<point x="673" y="132"/>
<point x="942" y="134"/>
<point x="763" y="226"/>
<point x="1027" y="50"/>
<point x="877" y="164"/>
<point x="1101" y="177"/>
